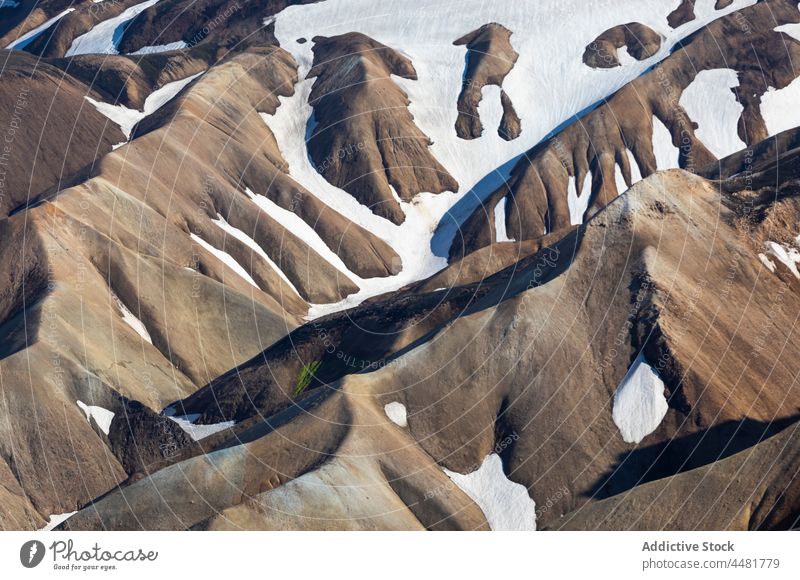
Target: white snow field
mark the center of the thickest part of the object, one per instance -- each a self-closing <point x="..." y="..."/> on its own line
<point x="506" y="505"/>
<point x="779" y="108"/>
<point x="711" y="104"/>
<point x="639" y="403"/>
<point x="127" y="118"/>
<point x="103" y="38"/>
<point x="31" y="35"/>
<point x="549" y="85"/>
<point x="635" y="174"/>
<point x="101" y="416"/>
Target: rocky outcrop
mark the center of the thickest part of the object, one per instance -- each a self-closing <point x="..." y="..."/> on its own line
<point x="639" y="40"/>
<point x="490" y="57"/>
<point x="363" y="138"/>
<point x="682" y="14"/>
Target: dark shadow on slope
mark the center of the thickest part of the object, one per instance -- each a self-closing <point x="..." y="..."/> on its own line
<point x="681" y="454"/>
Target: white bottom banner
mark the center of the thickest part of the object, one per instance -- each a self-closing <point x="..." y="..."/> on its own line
<point x="401" y="555"/>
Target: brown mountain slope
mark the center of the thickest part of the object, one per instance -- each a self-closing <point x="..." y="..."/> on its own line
<point x="536" y="356"/>
<point x="115" y="293"/>
<point x="754" y="489"/>
<point x="49" y="131"/>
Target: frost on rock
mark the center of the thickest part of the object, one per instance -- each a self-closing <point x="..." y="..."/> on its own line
<point x="102" y="417"/>
<point x="396" y="413"/>
<point x="506" y="505"/>
<point x="639" y="403"/>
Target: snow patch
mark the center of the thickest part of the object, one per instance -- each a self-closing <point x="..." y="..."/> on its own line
<point x="666" y="153"/>
<point x="792" y="30"/>
<point x="295" y="224"/>
<point x="506" y="505"/>
<point x="500" y="221"/>
<point x="198" y="432"/>
<point x="226" y="259"/>
<point x="770" y="265"/>
<point x="102" y="417"/>
<point x="8" y="4"/>
<point x="131" y="320"/>
<point x="56" y="519"/>
<point x="789" y="257"/>
<point x="396" y="413"/>
<point x="127" y="118"/>
<point x="779" y="107"/>
<point x="160" y="48"/>
<point x="253" y="245"/>
<point x="635" y="174"/>
<point x="710" y="103"/>
<point x="578" y="201"/>
<point x="105" y="36"/>
<point x="31" y="35"/>
<point x="639" y="403"/>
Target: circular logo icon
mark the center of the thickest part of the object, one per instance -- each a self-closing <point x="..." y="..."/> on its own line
<point x="31" y="553"/>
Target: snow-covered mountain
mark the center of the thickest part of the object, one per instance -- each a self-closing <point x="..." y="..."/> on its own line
<point x="465" y="257"/>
